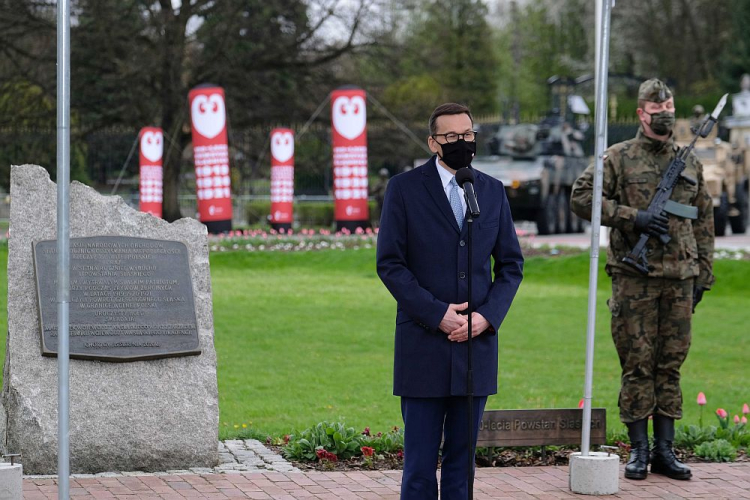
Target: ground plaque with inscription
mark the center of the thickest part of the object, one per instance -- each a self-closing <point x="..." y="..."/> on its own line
<point x="540" y="427"/>
<point x="130" y="298"/>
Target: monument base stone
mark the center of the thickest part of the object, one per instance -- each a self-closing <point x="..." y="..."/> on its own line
<point x="153" y="415"/>
<point x="594" y="474"/>
<point x="11" y="481"/>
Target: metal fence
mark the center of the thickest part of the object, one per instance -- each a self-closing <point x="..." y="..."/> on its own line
<point x="103" y="157"/>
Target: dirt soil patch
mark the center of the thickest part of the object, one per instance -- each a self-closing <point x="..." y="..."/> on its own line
<point x="502" y="457"/>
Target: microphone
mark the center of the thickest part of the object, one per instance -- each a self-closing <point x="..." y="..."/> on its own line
<point x="465" y="179"/>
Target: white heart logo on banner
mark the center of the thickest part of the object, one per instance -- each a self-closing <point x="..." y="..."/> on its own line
<point x="152" y="145"/>
<point x="282" y="146"/>
<point x="208" y="115"/>
<point x="349" y="116"/>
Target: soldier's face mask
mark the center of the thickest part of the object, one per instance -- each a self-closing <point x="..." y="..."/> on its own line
<point x="662" y="123"/>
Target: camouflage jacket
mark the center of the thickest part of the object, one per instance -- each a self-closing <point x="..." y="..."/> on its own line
<point x="632" y="171"/>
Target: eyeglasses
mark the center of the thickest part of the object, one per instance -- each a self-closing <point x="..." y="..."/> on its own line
<point x="452" y="137"/>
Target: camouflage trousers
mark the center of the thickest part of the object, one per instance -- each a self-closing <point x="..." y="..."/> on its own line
<point x="651" y="331"/>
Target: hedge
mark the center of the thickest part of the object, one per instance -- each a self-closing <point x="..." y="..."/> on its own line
<point x="305" y="213"/>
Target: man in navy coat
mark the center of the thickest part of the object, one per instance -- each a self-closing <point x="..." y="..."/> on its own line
<point x="422" y="259"/>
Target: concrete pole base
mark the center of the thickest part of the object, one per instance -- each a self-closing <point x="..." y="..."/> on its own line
<point x="11" y="481"/>
<point x="598" y="473"/>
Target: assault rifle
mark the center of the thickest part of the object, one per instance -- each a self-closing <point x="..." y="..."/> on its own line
<point x="661" y="202"/>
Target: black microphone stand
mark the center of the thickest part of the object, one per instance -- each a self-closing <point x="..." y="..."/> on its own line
<point x="469" y="372"/>
<point x="465" y="178"/>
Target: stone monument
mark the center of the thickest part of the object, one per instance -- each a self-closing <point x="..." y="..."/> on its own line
<point x="143" y="391"/>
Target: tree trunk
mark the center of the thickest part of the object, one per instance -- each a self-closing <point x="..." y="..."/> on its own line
<point x="173" y="110"/>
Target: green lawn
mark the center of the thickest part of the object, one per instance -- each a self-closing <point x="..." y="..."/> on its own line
<point x="303" y="337"/>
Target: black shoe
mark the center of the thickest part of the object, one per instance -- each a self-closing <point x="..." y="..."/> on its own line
<point x="663" y="459"/>
<point x="637" y="466"/>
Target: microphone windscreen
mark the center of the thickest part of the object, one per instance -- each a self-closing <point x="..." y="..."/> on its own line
<point x="464" y="175"/>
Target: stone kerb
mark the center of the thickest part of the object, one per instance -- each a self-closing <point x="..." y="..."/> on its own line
<point x="143" y="415"/>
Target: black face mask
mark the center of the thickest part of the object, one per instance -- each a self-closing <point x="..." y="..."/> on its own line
<point x="662" y="123"/>
<point x="458" y="154"/>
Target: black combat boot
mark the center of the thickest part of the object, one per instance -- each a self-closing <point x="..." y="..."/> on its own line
<point x="663" y="459"/>
<point x="637" y="467"/>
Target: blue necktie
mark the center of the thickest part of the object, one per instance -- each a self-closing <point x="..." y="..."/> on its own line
<point x="455" y="199"/>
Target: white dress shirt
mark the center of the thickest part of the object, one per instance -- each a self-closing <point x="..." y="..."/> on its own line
<point x="445" y="178"/>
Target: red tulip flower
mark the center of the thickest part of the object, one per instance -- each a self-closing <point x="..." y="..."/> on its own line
<point x="580" y="403"/>
<point x="736" y="419"/>
<point x="722" y="413"/>
<point x="745" y="409"/>
<point x="701" y="403"/>
<point x="743" y="419"/>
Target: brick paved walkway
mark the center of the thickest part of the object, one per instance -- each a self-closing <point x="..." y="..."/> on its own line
<point x="715" y="481"/>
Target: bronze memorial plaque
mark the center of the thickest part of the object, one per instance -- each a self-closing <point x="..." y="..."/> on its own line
<point x="539" y="427"/>
<point x="130" y="298"/>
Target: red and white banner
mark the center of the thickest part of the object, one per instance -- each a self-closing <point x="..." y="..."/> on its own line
<point x="211" y="153"/>
<point x="349" y="117"/>
<point x="282" y="175"/>
<point x="150" y="172"/>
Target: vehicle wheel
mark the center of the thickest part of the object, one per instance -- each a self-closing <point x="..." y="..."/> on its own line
<point x="573" y="223"/>
<point x="720" y="216"/>
<point x="564" y="222"/>
<point x="739" y="222"/>
<point x="545" y="217"/>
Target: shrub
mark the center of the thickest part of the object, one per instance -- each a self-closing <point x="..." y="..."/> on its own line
<point x="718" y="450"/>
<point x="737" y="435"/>
<point x="314" y="214"/>
<point x="390" y="442"/>
<point x="257" y="211"/>
<point x="691" y="436"/>
<point x="320" y="213"/>
<point x="617" y="436"/>
<point x="335" y="438"/>
<point x="309" y="213"/>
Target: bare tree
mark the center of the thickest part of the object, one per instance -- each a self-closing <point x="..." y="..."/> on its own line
<point x="138" y="68"/>
<point x="678" y="40"/>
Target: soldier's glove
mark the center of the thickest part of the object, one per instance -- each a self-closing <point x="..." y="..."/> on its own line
<point x="697" y="295"/>
<point x="651" y="223"/>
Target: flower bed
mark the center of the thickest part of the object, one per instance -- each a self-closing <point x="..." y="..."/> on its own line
<point x="304" y="240"/>
<point x="334" y="446"/>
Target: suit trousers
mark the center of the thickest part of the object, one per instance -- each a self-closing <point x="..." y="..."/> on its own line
<point x="426" y="421"/>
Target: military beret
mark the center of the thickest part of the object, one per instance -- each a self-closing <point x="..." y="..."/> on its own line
<point x="654" y="90"/>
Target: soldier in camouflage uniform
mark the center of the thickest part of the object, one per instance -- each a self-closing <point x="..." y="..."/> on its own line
<point x="651" y="313"/>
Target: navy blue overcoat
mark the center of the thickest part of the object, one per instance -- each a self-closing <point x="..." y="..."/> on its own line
<point x="422" y="258"/>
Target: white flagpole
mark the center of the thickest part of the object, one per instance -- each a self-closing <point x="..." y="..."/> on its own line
<point x="604" y="9"/>
<point x="63" y="246"/>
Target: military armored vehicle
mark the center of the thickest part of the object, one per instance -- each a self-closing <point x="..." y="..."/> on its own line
<point x="739" y="136"/>
<point x="724" y="172"/>
<point x="538" y="164"/>
<point x="739" y="200"/>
